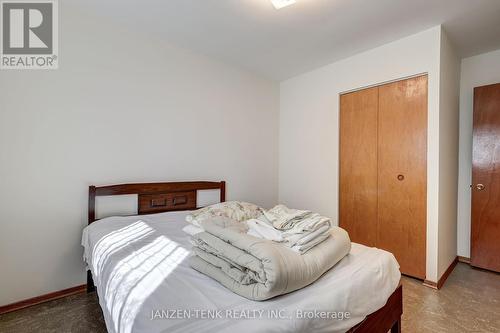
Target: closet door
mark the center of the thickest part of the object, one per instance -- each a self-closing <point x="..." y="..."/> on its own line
<point x="358" y="165"/>
<point x="402" y="173"/>
<point x="485" y="231"/>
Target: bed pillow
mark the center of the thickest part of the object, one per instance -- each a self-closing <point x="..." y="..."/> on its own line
<point x="236" y="210"/>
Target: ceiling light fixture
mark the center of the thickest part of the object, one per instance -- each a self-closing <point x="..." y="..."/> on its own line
<point x="278" y="4"/>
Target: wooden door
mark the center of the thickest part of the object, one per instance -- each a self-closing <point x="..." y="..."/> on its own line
<point x="358" y="165"/>
<point x="485" y="229"/>
<point x="402" y="173"/>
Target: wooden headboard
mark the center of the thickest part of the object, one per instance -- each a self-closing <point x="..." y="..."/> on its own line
<point x="157" y="197"/>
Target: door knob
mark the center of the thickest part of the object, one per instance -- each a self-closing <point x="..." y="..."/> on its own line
<point x="480" y="187"/>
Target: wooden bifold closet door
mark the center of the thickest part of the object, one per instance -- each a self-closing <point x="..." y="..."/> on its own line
<point x="383" y="170"/>
<point x="358" y="165"/>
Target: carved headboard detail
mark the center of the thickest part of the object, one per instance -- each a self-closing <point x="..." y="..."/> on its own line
<point x="157" y="197"/>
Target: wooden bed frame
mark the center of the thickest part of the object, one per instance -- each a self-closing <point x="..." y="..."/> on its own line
<point x="177" y="196"/>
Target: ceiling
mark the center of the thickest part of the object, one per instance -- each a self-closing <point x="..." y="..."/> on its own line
<point x="282" y="43"/>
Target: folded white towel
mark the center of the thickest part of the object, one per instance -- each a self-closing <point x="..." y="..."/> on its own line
<point x="309" y="223"/>
<point x="262" y="229"/>
<point x="294" y="220"/>
<point x="306" y="237"/>
<point x="303" y="248"/>
<point x="284" y="218"/>
<point x="307" y="231"/>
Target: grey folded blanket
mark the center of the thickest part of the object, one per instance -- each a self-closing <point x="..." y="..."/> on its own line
<point x="260" y="269"/>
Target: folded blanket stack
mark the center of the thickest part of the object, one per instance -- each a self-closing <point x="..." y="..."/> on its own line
<point x="260" y="269"/>
<point x="299" y="230"/>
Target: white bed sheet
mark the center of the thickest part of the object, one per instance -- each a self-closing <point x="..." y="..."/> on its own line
<point x="145" y="285"/>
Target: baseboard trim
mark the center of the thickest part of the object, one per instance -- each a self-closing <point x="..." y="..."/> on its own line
<point x="447" y="273"/>
<point x="430" y="284"/>
<point x="465" y="260"/>
<point x="443" y="278"/>
<point x="42" y="299"/>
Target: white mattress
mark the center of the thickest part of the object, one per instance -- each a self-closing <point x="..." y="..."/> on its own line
<point x="140" y="271"/>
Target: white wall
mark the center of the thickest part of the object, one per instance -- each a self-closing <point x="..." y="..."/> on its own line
<point x="121" y="108"/>
<point x="476" y="71"/>
<point x="448" y="153"/>
<point x="309" y="109"/>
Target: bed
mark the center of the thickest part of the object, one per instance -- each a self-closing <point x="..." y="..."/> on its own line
<point x="137" y="266"/>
